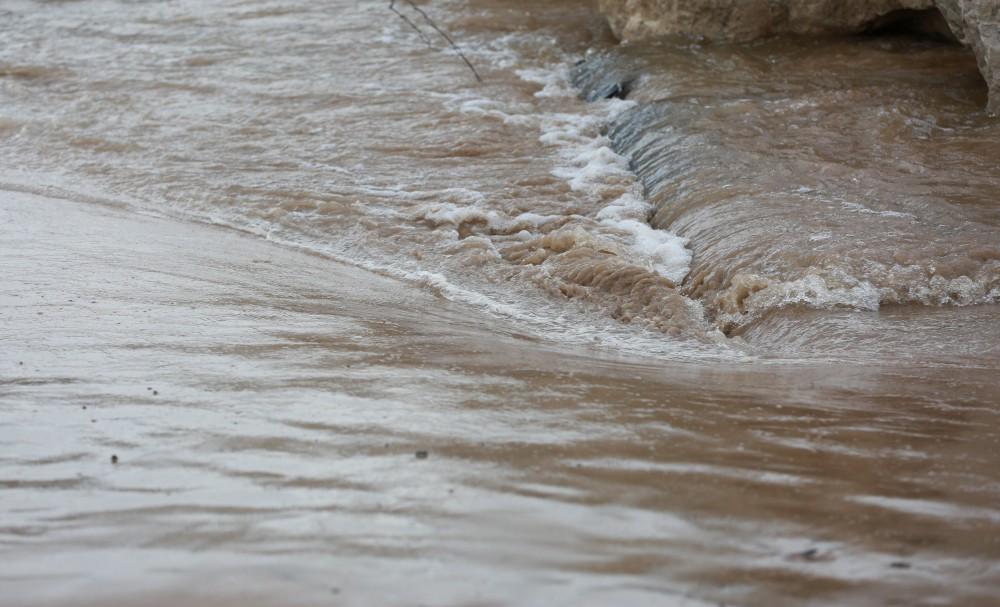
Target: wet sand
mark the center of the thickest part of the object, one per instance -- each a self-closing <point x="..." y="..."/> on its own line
<point x="267" y="406"/>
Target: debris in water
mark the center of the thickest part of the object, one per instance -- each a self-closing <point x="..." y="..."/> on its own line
<point x="434" y="26"/>
<point x="812" y="555"/>
<point x="900" y="565"/>
<point x="114" y="459"/>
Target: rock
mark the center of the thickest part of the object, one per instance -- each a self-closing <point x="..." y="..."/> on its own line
<point x="744" y="20"/>
<point x="974" y="23"/>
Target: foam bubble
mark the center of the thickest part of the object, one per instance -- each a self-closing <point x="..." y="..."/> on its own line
<point x="554" y="83"/>
<point x="591" y="166"/>
<point x="667" y="252"/>
<point x="440" y="214"/>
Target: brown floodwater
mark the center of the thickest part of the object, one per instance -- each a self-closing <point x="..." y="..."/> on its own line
<point x="648" y="324"/>
<point x="855" y="173"/>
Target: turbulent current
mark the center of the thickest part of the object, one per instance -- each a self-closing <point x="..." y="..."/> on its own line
<point x="849" y="174"/>
<point x="730" y="185"/>
<point x="680" y="323"/>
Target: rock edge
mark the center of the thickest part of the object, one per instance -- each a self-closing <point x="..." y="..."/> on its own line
<point x="974" y="23"/>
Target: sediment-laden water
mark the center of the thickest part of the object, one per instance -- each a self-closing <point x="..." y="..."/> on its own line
<point x="847" y="174"/>
<point x="711" y="324"/>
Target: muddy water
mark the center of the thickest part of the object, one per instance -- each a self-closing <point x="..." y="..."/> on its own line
<point x="730" y="339"/>
<point x="266" y="407"/>
<point x="823" y="174"/>
<point x="334" y="126"/>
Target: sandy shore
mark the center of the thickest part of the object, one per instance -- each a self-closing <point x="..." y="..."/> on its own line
<point x="266" y="408"/>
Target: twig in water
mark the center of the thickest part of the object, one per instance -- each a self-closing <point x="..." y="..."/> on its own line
<point x="392" y="7"/>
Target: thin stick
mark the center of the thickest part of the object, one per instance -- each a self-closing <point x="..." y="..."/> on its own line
<point x="392" y="7"/>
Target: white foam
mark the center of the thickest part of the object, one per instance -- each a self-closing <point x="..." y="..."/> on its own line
<point x="589" y="165"/>
<point x="450" y="214"/>
<point x="554" y="83"/>
<point x="667" y="252"/>
<point x="815" y="291"/>
<point x="519" y="115"/>
<point x="594" y="166"/>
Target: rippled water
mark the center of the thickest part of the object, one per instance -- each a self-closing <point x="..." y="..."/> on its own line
<point x="719" y="325"/>
<point x="850" y="174"/>
<point x="334" y="126"/>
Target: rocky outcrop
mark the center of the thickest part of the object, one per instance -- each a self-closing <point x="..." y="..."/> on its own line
<point x="975" y="23"/>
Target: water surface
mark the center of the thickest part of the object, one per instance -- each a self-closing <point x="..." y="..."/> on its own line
<point x="730" y="339"/>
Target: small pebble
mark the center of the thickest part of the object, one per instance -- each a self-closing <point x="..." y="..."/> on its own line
<point x="114" y="459"/>
<point x="422" y="454"/>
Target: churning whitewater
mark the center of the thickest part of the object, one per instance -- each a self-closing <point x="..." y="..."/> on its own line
<point x="297" y="308"/>
<point x="669" y="212"/>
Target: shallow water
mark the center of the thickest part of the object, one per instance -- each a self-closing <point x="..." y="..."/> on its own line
<point x="731" y="339"/>
<point x="266" y="407"/>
